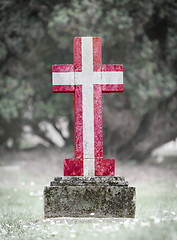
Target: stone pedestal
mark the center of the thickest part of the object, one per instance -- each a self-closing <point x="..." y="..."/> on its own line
<point x="89" y="197"/>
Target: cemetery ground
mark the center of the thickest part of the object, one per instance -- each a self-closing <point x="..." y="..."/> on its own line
<point x="24" y="174"/>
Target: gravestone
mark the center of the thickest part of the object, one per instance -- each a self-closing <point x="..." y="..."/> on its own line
<point x="89" y="187"/>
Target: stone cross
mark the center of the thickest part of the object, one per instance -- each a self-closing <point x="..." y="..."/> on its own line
<point x="88" y="78"/>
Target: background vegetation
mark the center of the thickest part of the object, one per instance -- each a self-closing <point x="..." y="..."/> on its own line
<point x="139" y="34"/>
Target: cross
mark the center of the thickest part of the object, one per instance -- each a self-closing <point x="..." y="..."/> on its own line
<point x="88" y="78"/>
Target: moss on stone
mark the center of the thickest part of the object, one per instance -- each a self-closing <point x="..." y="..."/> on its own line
<point x="81" y="201"/>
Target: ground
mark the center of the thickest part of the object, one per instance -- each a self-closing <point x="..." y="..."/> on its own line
<point x="24" y="174"/>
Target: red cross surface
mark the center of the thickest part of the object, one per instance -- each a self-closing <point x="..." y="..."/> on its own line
<point x="88" y="78"/>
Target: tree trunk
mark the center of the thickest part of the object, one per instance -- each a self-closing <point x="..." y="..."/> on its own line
<point x="156" y="127"/>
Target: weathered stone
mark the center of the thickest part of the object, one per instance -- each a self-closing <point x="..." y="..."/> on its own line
<point x="90" y="194"/>
<point x="85" y="181"/>
<point x="91" y="197"/>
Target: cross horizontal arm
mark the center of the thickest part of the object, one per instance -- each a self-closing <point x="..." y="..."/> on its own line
<point x="112" y="77"/>
<point x="63" y="78"/>
<point x="63" y="68"/>
<point x="112" y="68"/>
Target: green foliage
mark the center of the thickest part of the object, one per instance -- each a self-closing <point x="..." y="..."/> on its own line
<point x="15" y="97"/>
<point x="36" y="34"/>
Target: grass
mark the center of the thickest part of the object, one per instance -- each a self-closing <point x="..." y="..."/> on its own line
<point x="21" y="202"/>
<point x="21" y="216"/>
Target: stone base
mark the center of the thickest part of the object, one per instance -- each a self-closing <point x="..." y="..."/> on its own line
<point x="89" y="197"/>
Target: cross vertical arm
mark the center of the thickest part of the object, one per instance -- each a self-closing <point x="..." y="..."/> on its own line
<point x="78" y="122"/>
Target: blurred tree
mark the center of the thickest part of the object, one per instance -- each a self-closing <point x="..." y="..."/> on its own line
<point x="141" y="35"/>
